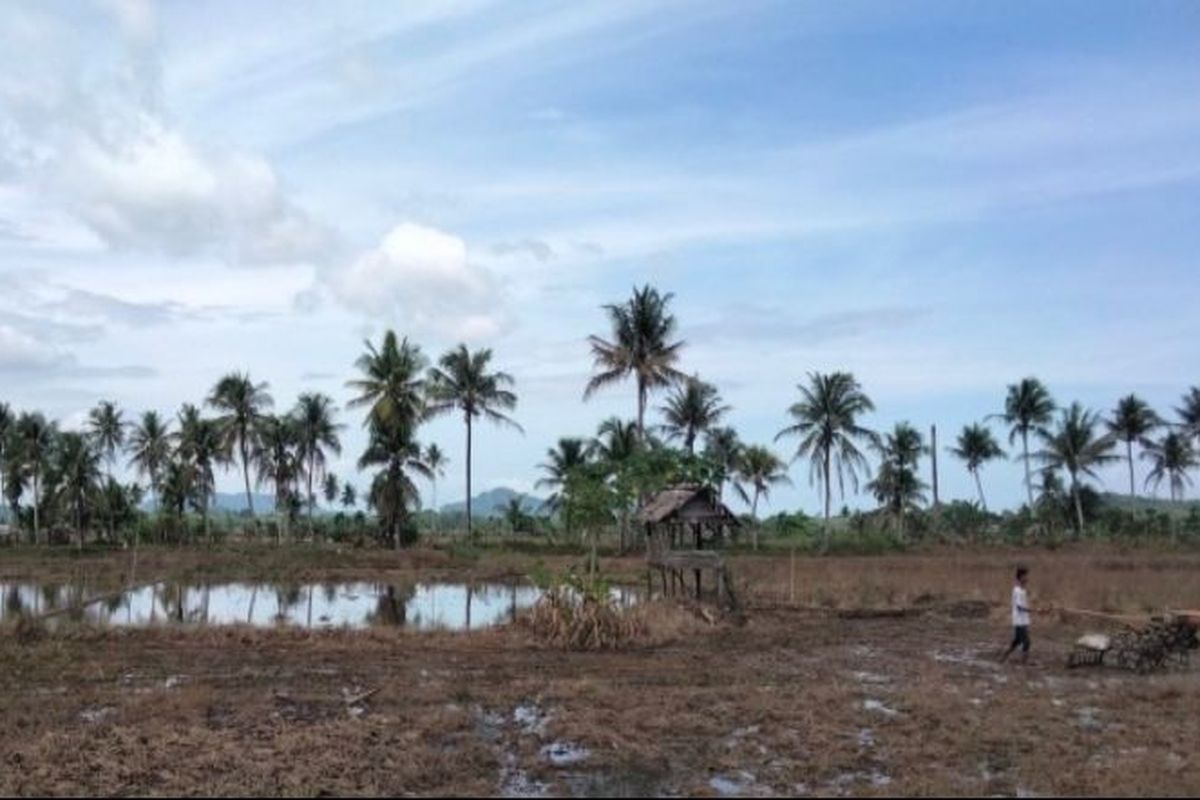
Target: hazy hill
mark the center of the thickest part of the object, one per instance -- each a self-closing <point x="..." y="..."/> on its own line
<point x="1127" y="503"/>
<point x="232" y="502"/>
<point x="491" y="503"/>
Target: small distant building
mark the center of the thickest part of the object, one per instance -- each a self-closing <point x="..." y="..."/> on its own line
<point x="682" y="516"/>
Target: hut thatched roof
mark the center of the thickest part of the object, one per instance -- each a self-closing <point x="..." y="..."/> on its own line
<point x="697" y="503"/>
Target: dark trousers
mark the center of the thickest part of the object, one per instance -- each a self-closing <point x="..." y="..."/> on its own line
<point x="1020" y="638"/>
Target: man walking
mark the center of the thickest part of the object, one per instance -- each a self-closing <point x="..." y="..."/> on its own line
<point x="1020" y="617"/>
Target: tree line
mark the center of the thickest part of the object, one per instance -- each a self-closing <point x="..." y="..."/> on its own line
<point x="826" y="424"/>
<point x="66" y="477"/>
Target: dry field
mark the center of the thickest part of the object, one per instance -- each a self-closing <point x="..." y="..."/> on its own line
<point x="796" y="698"/>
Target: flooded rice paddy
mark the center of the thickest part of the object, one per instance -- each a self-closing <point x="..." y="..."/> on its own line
<point x="420" y="606"/>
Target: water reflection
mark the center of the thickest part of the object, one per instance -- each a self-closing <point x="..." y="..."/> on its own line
<point x="423" y="605"/>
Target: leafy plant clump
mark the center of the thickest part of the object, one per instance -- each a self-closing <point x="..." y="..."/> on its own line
<point x="578" y="612"/>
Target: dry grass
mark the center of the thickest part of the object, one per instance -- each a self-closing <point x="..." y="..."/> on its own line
<point x="1098" y="579"/>
<point x="564" y="620"/>
<point x="790" y="702"/>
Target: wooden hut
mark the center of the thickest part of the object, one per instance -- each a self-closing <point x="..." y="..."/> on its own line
<point x="685" y="526"/>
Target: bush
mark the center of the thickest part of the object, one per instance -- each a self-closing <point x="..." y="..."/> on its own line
<point x="580" y="613"/>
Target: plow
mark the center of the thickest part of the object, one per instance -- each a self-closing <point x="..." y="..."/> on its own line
<point x="1141" y="644"/>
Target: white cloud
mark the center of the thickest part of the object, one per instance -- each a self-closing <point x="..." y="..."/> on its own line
<point x="423" y="279"/>
<point x="151" y="189"/>
<point x="20" y="351"/>
<point x="93" y="136"/>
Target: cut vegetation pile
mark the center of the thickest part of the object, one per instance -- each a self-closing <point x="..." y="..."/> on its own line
<point x="570" y="620"/>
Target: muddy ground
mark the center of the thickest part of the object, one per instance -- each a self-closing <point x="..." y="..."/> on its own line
<point x="790" y="700"/>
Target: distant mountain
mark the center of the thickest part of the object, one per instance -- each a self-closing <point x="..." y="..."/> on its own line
<point x="1127" y="503"/>
<point x="491" y="503"/>
<point x="232" y="502"/>
<point x="235" y="502"/>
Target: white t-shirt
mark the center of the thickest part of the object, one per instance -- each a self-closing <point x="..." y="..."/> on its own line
<point x="1020" y="602"/>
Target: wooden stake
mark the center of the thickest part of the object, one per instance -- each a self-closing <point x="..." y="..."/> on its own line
<point x="793" y="575"/>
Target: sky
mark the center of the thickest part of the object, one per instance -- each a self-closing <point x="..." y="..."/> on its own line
<point x="941" y="197"/>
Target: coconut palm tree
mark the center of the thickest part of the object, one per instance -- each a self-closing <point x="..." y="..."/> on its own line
<point x="976" y="446"/>
<point x="392" y="447"/>
<point x="896" y="483"/>
<point x="693" y="408"/>
<point x="723" y="448"/>
<point x="279" y="460"/>
<point x="316" y="433"/>
<point x="614" y="447"/>
<point x="392" y="386"/>
<point x="107" y="430"/>
<point x="176" y="486"/>
<point x="641" y="347"/>
<point x="1171" y="459"/>
<point x="1028" y="409"/>
<point x="561" y="461"/>
<point x="514" y="514"/>
<point x="462" y="382"/>
<point x="1189" y="413"/>
<point x="329" y="490"/>
<point x="826" y="420"/>
<point x="1132" y="421"/>
<point x="15" y="470"/>
<point x="200" y="447"/>
<point x="437" y="461"/>
<point x="36" y="439"/>
<point x="349" y="496"/>
<point x="7" y="421"/>
<point x="761" y="469"/>
<point x="150" y="450"/>
<point x="77" y="466"/>
<point x="242" y="404"/>
<point x="1077" y="446"/>
<point x="616" y="441"/>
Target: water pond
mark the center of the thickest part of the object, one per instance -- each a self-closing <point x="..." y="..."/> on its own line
<point x="422" y="606"/>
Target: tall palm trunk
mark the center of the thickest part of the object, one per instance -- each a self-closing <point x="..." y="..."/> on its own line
<point x="979" y="486"/>
<point x="470" y="533"/>
<point x="437" y="517"/>
<point x="36" y="502"/>
<point x="1028" y="474"/>
<point x="828" y="501"/>
<point x="204" y="514"/>
<point x="397" y="473"/>
<point x="754" y="515"/>
<point x="246" y="473"/>
<point x="312" y="498"/>
<point x="1078" y="506"/>
<point x="641" y="419"/>
<point x="79" y="522"/>
<point x="1129" y="458"/>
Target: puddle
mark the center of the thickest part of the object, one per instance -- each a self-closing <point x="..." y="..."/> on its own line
<point x="515" y="782"/>
<point x="732" y="785"/>
<point x="423" y="606"/>
<point x="871" y="678"/>
<point x="530" y="719"/>
<point x="878" y="707"/>
<point x="968" y="658"/>
<point x="843" y="783"/>
<point x="1087" y="718"/>
<point x="564" y="754"/>
<point x="93" y="716"/>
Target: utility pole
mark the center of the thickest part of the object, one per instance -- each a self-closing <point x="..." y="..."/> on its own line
<point x="934" y="454"/>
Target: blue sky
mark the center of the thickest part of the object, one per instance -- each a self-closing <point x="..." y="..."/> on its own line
<point x="941" y="196"/>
